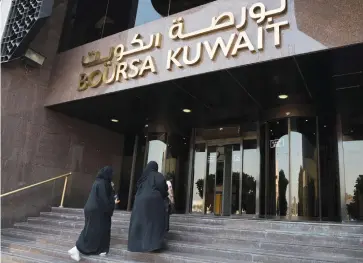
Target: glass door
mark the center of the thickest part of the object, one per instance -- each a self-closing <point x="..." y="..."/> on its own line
<point x="225" y="171"/>
<point x="222" y="182"/>
<point x="304" y="179"/>
<point x="277" y="176"/>
<point x="210" y="181"/>
<point x="291" y="181"/>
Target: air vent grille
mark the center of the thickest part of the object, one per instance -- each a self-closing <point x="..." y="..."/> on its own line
<point x="24" y="21"/>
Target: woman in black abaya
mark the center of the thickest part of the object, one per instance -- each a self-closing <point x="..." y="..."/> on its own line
<point x="96" y="234"/>
<point x="149" y="214"/>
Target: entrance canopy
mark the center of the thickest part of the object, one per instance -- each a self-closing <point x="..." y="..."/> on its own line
<point x="236" y="95"/>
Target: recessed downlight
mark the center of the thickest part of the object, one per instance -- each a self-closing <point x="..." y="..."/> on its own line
<point x="114" y="120"/>
<point x="283" y="96"/>
<point x="187" y="110"/>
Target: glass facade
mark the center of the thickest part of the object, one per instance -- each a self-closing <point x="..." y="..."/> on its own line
<point x="351" y="153"/>
<point x="276" y="173"/>
<point x="199" y="171"/>
<point x="353" y="169"/>
<point x="157" y="150"/>
<point x="90" y="20"/>
<point x="304" y="178"/>
<point x="250" y="174"/>
<point x="277" y="192"/>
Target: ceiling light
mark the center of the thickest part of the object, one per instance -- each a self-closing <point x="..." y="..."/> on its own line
<point x="187" y="110"/>
<point x="283" y="96"/>
<point x="221" y="129"/>
<point x="114" y="120"/>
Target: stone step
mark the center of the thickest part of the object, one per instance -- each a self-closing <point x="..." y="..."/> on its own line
<point x="25" y="256"/>
<point x="123" y="217"/>
<point x="277" y="236"/>
<point x="231" y="248"/>
<point x="56" y="253"/>
<point x="210" y="241"/>
<point x="240" y="223"/>
<point x="119" y="254"/>
<point x="192" y="239"/>
<point x="338" y="230"/>
<point x="20" y="256"/>
<point x="222" y="252"/>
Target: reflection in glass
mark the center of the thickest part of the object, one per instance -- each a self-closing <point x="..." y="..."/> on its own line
<point x="157" y="150"/>
<point x="210" y="182"/>
<point x="219" y="182"/>
<point x="180" y="6"/>
<point x="176" y="168"/>
<point x="139" y="164"/>
<point x="146" y="11"/>
<point x="126" y="171"/>
<point x="263" y="168"/>
<point x="353" y="166"/>
<point x="236" y="179"/>
<point x="328" y="172"/>
<point x="249" y="176"/>
<point x="200" y="168"/>
<point x="278" y="171"/>
<point x="90" y="20"/>
<point x="304" y="183"/>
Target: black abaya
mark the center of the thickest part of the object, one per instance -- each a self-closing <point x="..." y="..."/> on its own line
<point x="95" y="237"/>
<point x="149" y="214"/>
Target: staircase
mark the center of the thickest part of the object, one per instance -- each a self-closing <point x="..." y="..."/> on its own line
<point x="191" y="239"/>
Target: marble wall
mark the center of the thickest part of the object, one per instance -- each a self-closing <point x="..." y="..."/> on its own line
<point x="38" y="144"/>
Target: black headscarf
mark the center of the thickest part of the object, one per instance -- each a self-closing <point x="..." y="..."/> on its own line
<point x="105" y="173"/>
<point x="150" y="167"/>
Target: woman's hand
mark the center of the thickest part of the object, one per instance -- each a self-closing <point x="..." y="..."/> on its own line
<point x="117" y="201"/>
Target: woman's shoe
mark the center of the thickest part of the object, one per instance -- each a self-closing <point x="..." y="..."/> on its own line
<point x="103" y="254"/>
<point x="74" y="253"/>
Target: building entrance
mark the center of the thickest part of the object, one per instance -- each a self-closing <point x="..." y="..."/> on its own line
<point x="270" y="171"/>
<point x="226" y="168"/>
<point x="289" y="170"/>
<point x="223" y="164"/>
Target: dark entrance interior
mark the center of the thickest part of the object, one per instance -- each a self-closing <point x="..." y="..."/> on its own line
<point x="307" y="99"/>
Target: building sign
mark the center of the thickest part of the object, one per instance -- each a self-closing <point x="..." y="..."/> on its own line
<point x="115" y="69"/>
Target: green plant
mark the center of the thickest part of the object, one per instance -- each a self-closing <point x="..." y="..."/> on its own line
<point x="354" y="207"/>
<point x="210" y="185"/>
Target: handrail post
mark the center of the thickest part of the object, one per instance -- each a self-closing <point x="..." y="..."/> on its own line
<point x="64" y="191"/>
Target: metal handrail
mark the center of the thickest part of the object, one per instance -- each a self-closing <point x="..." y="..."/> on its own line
<point x="65" y="176"/>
